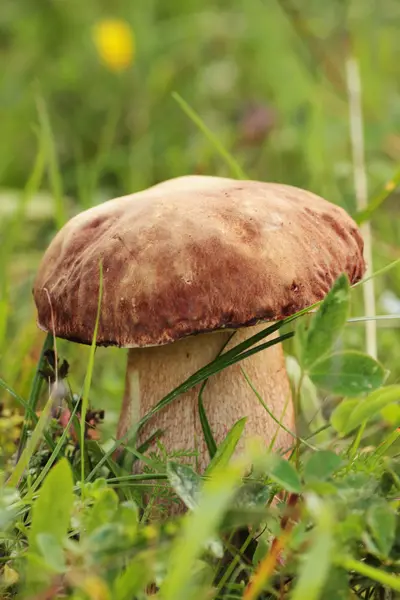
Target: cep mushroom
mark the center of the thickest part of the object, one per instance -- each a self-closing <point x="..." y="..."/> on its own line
<point x="185" y="263"/>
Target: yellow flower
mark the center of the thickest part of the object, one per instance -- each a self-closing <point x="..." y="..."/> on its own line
<point x="115" y="43"/>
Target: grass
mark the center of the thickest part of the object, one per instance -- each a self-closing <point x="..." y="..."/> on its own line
<point x="77" y="133"/>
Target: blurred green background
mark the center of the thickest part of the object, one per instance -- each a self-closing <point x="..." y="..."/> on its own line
<point x="267" y="77"/>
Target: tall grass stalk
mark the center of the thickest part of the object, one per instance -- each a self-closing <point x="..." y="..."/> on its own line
<point x="361" y="191"/>
<point x="34" y="394"/>
<point x="232" y="163"/>
<point x="32" y="444"/>
<point x="53" y="167"/>
<point x="89" y="374"/>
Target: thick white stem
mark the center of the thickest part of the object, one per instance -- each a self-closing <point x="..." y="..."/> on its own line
<point x="153" y="372"/>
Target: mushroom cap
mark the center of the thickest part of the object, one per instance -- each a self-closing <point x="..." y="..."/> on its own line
<point x="191" y="255"/>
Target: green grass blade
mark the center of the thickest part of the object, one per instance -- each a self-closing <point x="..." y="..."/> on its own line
<point x="89" y="374"/>
<point x="138" y="477"/>
<point x="375" y="318"/>
<point x="271" y="414"/>
<point x="234" y="166"/>
<point x="379" y="575"/>
<point x="107" y="455"/>
<point x="35" y="392"/>
<point x="28" y="410"/>
<point x="137" y="454"/>
<point x="383" y="271"/>
<point x="56" y="451"/>
<point x="31" y="444"/>
<point x="392" y="438"/>
<point x="205" y="425"/>
<point x="227" y="447"/>
<point x="378" y="200"/>
<point x="46" y="135"/>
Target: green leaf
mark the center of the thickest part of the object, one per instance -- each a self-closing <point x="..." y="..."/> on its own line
<point x="244" y="517"/>
<point x="261" y="551"/>
<point x="356" y="490"/>
<point x="102" y="511"/>
<point x="321" y="488"/>
<point x="283" y="473"/>
<point x="337" y="585"/>
<point x="128" y="515"/>
<point x="370" y="406"/>
<point x="108" y="539"/>
<point x="251" y="494"/>
<point x="381" y="520"/>
<point x="8" y="506"/>
<point x="327" y="323"/>
<point x="133" y="579"/>
<point x="227" y="447"/>
<point x="321" y="465"/>
<point x="391" y="414"/>
<point x="316" y="564"/>
<point x="51" y="511"/>
<point x="185" y="482"/>
<point x="39" y="575"/>
<point x="52" y="551"/>
<point x="49" y="527"/>
<point x="341" y="414"/>
<point x="198" y="527"/>
<point x="350" y="414"/>
<point x="351" y="530"/>
<point x="348" y="373"/>
<point x="300" y="339"/>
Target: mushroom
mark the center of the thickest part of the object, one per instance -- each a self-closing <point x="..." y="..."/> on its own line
<point x="185" y="263"/>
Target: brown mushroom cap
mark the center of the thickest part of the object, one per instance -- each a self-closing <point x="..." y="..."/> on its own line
<point x="191" y="255"/>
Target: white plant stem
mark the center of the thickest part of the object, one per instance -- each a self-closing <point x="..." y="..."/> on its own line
<point x="361" y="191"/>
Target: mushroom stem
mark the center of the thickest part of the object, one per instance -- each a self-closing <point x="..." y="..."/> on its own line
<point x="155" y="371"/>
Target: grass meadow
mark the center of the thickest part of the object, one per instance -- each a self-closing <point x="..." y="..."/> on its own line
<point x="101" y="100"/>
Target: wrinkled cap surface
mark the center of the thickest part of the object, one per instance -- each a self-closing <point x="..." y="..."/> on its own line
<point x="191" y="255"/>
